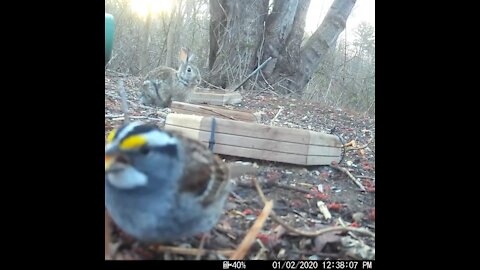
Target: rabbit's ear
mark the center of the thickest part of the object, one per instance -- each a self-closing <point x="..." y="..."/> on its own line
<point x="183" y="56"/>
<point x="191" y="57"/>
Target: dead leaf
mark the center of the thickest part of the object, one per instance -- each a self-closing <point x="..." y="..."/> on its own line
<point x="304" y="243"/>
<point x="358" y="217"/>
<point x="327" y="238"/>
<point x="127" y="256"/>
<point x="277" y="232"/>
<point x="357" y="250"/>
<point x="224" y="226"/>
<point x="325" y="174"/>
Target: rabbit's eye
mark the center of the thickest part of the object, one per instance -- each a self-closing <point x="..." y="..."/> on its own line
<point x="189" y="69"/>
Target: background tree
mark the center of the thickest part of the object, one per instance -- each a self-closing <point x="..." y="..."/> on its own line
<point x="238" y="28"/>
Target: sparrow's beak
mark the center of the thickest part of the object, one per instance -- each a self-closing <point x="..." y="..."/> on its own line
<point x="108" y="162"/>
<point x="115" y="159"/>
<point x="111" y="152"/>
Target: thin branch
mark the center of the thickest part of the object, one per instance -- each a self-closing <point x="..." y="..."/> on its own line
<point x="258" y="57"/>
<point x="355" y="180"/>
<point x="267" y="89"/>
<point x="306" y="233"/>
<point x="367" y="177"/>
<point x="266" y="82"/>
<point x="361" y="147"/>
<point x="211" y="85"/>
<point x="250" y="237"/>
<point x="349" y="233"/>
<point x="121" y="117"/>
<point x="253" y="73"/>
<point x="276" y="115"/>
<point x="192" y="251"/>
<point x="131" y="102"/>
<point x="123" y="96"/>
<point x="114" y="73"/>
<point x="292" y="188"/>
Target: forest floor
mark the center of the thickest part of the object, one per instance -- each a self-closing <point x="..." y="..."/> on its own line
<point x="294" y="189"/>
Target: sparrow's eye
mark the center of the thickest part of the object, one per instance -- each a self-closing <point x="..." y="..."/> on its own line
<point x="122" y="159"/>
<point x="189" y="69"/>
<point x="144" y="150"/>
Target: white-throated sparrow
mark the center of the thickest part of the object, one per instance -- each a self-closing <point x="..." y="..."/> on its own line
<point x="162" y="187"/>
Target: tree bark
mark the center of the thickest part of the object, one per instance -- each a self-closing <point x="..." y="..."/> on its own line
<point x="218" y="23"/>
<point x="242" y="36"/>
<point x="288" y="58"/>
<point x="279" y="27"/>
<point x="235" y="34"/>
<point x="172" y="36"/>
<point x="317" y="46"/>
<point x="145" y="44"/>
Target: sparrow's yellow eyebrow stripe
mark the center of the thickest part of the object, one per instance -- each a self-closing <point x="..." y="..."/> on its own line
<point x="132" y="142"/>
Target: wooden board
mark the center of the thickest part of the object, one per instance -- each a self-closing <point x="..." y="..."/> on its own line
<point x="251" y="140"/>
<point x="214" y="97"/>
<point x="202" y="110"/>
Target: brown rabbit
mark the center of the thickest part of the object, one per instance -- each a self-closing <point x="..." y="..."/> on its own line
<point x="164" y="84"/>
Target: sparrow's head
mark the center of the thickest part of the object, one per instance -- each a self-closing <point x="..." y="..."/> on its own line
<point x="139" y="154"/>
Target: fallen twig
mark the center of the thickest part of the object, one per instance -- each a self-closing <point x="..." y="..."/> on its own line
<point x="200" y="247"/>
<point x="124" y="99"/>
<point x="115" y="73"/>
<point x="192" y="251"/>
<point x="267" y="89"/>
<point x="321" y="254"/>
<point x="250" y="237"/>
<point x="355" y="180"/>
<point x="131" y="102"/>
<point x="211" y="85"/>
<point x="262" y="250"/>
<point x="349" y="233"/>
<point x="367" y="177"/>
<point x="280" y="185"/>
<point x="306" y="233"/>
<point x="237" y="197"/>
<point x="253" y="72"/>
<point x="121" y="117"/>
<point x="276" y="115"/>
<point x="354" y="147"/>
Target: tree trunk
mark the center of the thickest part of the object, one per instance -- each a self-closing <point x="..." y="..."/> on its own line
<point x="317" y="46"/>
<point x="145" y="44"/>
<point x="170" y="41"/>
<point x="287" y="58"/>
<point x="232" y="52"/>
<point x="240" y="41"/>
<point x="218" y="23"/>
<point x="172" y="36"/>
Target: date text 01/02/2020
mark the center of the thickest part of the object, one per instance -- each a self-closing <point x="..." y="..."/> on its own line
<point x="308" y="264"/>
<point x="328" y="264"/>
